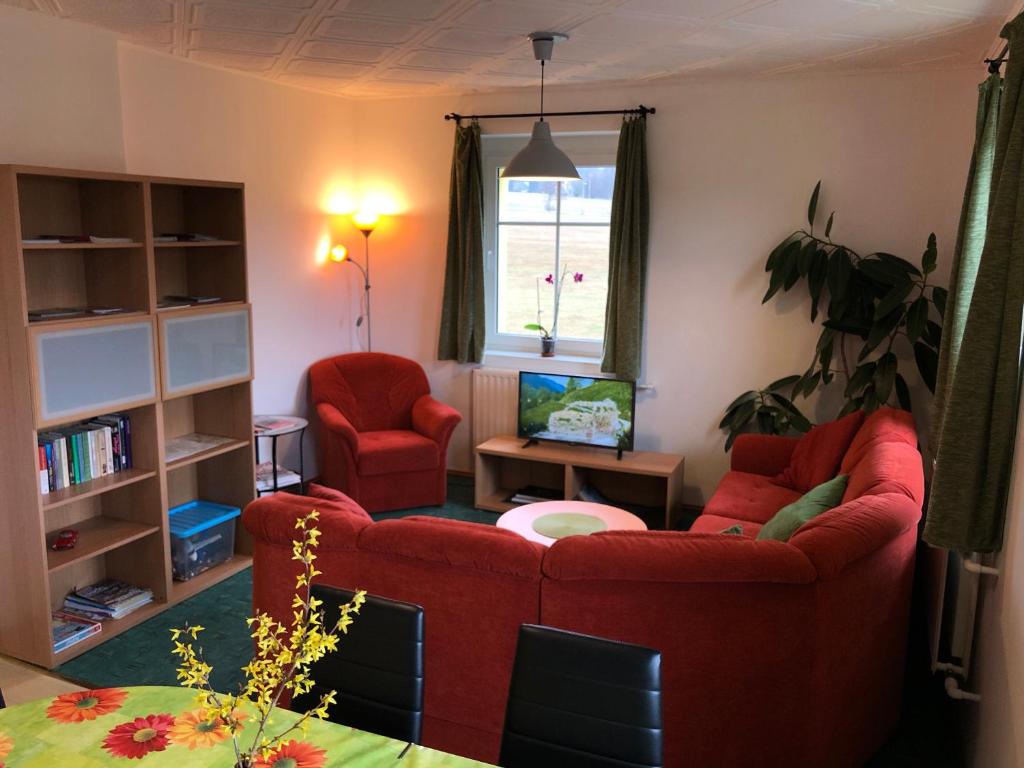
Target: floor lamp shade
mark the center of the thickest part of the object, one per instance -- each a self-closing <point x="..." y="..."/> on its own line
<point x="540" y="159"/>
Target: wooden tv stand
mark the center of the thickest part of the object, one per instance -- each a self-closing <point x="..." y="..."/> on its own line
<point x="504" y="464"/>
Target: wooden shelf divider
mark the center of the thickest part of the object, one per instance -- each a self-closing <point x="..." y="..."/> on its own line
<point x="97" y="536"/>
<point x="56" y="499"/>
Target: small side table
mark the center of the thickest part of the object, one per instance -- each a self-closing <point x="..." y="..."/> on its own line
<point x="272" y="427"/>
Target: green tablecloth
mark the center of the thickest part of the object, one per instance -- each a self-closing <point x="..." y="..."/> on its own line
<point x="153" y="726"/>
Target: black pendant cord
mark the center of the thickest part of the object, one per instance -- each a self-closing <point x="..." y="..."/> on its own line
<point x="640" y="111"/>
<point x="542" y="90"/>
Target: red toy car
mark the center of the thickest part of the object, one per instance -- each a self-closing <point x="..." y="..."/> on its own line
<point x="65" y="539"/>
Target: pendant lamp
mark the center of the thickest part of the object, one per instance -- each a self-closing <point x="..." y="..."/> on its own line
<point x="540" y="159"/>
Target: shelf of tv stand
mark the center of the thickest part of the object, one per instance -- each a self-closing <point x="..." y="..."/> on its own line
<point x="505" y="463"/>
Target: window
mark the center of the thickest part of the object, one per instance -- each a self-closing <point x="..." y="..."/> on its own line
<point x="535" y="229"/>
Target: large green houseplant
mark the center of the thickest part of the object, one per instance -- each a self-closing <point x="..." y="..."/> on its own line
<point x="877" y="305"/>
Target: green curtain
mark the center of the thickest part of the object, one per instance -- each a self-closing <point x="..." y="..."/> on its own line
<point x="627" y="254"/>
<point x="974" y="455"/>
<point x="462" y="312"/>
<point x="970" y="241"/>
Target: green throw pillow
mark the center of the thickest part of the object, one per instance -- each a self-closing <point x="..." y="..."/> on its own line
<point x="819" y="499"/>
<point x="733" y="530"/>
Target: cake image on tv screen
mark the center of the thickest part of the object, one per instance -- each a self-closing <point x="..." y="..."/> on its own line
<point x="576" y="409"/>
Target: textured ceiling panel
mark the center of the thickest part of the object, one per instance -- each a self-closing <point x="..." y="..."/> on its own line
<point x="376" y="48"/>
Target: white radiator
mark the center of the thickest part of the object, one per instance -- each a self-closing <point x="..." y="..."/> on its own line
<point x="495" y="395"/>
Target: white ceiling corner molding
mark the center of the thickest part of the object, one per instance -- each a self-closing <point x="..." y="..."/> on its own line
<point x="383" y="48"/>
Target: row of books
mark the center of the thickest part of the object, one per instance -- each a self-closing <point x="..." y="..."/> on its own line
<point x="83" y="452"/>
<point x="85" y="610"/>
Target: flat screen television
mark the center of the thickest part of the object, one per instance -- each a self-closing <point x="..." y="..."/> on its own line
<point x="577" y="409"/>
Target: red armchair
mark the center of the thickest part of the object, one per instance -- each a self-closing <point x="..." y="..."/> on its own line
<point x="383" y="438"/>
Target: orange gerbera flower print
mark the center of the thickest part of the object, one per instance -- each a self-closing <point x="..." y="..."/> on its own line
<point x="194" y="731"/>
<point x="80" y="706"/>
<point x="293" y="754"/>
<point x="138" y="737"/>
<point x="6" y="745"/>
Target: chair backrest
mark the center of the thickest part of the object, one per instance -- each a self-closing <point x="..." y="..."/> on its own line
<point x="373" y="390"/>
<point x="582" y="702"/>
<point x="377" y="670"/>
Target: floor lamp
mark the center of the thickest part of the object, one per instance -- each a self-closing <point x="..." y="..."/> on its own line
<point x="365" y="222"/>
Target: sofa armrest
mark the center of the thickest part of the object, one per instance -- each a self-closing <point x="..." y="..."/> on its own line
<point x="856" y="529"/>
<point x="670" y="556"/>
<point x="434" y="419"/>
<point x="271" y="520"/>
<point x="762" y="454"/>
<point x="337" y="424"/>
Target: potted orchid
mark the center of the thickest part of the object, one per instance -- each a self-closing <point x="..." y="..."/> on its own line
<point x="547" y="338"/>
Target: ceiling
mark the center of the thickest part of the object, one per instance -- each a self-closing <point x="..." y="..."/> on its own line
<point x="378" y="48"/>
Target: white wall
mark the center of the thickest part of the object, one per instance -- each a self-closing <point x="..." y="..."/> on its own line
<point x="290" y="147"/>
<point x="732" y="164"/>
<point x="997" y="722"/>
<point x="60" y="102"/>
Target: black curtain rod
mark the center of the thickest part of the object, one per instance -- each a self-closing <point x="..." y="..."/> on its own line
<point x="641" y="110"/>
<point x="994" y="64"/>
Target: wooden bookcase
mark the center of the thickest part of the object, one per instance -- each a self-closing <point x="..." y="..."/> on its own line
<point x="504" y="465"/>
<point x="175" y="371"/>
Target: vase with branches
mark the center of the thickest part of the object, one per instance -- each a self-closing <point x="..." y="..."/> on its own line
<point x="547" y="337"/>
<point x="284" y="656"/>
<point x="877" y="306"/>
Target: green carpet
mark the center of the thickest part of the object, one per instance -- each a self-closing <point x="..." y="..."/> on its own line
<point x="141" y="656"/>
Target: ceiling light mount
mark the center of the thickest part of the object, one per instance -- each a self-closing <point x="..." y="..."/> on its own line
<point x="544" y="43"/>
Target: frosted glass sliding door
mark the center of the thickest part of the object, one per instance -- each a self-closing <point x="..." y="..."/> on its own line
<point x="92" y="370"/>
<point x="204" y="349"/>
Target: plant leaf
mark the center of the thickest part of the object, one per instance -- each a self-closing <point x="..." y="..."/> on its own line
<point x="927" y="364"/>
<point x="893" y="299"/>
<point x="782" y="383"/>
<point x="748" y="395"/>
<point x="885" y="376"/>
<point x="796" y="418"/>
<point x="930" y="258"/>
<point x="828" y="224"/>
<point x="739" y="416"/>
<point x="933" y="333"/>
<point x="917" y="317"/>
<point x="816" y="280"/>
<point x="773" y="257"/>
<point x="784" y="262"/>
<point x="839" y="269"/>
<point x="852" y="405"/>
<point x="897" y="263"/>
<point x="902" y="392"/>
<point x="881" y="330"/>
<point x="882" y="272"/>
<point x="803" y="263"/>
<point x="860" y="378"/>
<point x="812" y="206"/>
<point x="939" y="296"/>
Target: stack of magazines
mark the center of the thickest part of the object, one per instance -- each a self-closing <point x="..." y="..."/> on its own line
<point x="107" y="599"/>
<point x="69" y="629"/>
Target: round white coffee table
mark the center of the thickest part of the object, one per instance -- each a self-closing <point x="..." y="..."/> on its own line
<point x="548" y="521"/>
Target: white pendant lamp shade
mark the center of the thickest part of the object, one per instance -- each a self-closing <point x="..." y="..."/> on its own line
<point x="540" y="159"/>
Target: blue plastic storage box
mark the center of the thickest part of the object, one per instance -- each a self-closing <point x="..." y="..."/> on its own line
<point x="202" y="536"/>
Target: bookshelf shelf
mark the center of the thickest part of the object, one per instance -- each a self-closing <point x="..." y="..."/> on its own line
<point x="61" y="371"/>
<point x="182" y="590"/>
<point x="197" y="244"/>
<point x="79" y="246"/>
<point x="97" y="536"/>
<point x="57" y="499"/>
<point x="209" y="453"/>
<point x="111" y="628"/>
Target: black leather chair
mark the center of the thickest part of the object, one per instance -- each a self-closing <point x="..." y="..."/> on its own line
<point x="377" y="669"/>
<point x="578" y="701"/>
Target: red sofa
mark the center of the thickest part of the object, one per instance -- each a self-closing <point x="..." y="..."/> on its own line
<point x="383" y="438"/>
<point x="779" y="654"/>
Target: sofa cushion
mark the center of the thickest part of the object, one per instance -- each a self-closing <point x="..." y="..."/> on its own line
<point x="396" y="450"/>
<point x="749" y="497"/>
<point x="816" y="458"/>
<point x="819" y="499"/>
<point x="718" y="524"/>
<point x="271" y="518"/>
<point x="886" y="425"/>
<point x="887" y="468"/>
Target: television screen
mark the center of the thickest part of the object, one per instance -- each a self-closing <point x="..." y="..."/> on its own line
<point x="576" y="409"/>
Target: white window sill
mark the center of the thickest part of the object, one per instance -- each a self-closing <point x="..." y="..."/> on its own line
<point x="533" y="361"/>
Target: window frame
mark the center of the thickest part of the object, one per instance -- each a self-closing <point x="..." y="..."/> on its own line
<point x="584" y="148"/>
